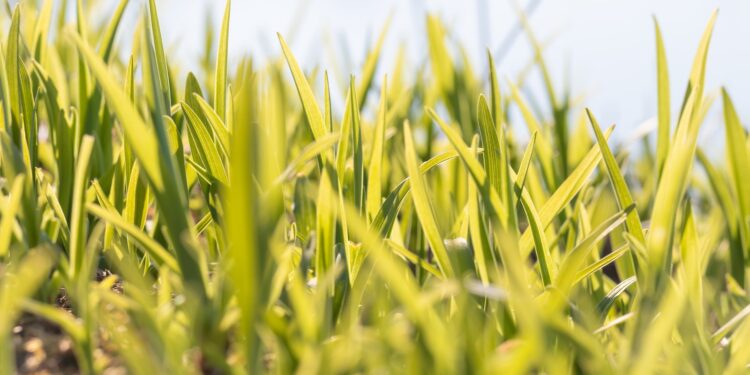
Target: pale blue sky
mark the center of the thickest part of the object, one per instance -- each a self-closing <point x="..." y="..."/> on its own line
<point x="606" y="47"/>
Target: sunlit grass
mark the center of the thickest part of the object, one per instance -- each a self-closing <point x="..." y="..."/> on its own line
<point x="251" y="228"/>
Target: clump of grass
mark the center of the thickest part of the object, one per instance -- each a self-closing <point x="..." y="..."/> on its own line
<point x="251" y="229"/>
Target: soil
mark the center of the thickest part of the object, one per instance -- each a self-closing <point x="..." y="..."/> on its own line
<point x="42" y="347"/>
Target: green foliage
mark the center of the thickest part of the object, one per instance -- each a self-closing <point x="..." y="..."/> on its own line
<point x="415" y="232"/>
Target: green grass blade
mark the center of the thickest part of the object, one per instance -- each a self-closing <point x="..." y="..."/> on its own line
<point x="474" y="168"/>
<point x="9" y="214"/>
<point x="78" y="224"/>
<point x="738" y="160"/>
<point x="106" y="45"/>
<point x="220" y="86"/>
<point x="203" y="145"/>
<point x="566" y="192"/>
<point x="154" y="157"/>
<point x="422" y="205"/>
<point x="159" y="254"/>
<point x="312" y="112"/>
<point x="375" y="167"/>
<point x="371" y="64"/>
<point x="217" y="125"/>
<point x="536" y="227"/>
<point x="491" y="156"/>
<point x="664" y="106"/>
<point x="622" y="193"/>
<point x="478" y="231"/>
<point x="161" y="57"/>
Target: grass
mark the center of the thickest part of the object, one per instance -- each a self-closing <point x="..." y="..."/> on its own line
<point x="250" y="228"/>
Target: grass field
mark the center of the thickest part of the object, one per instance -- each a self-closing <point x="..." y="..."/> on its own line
<point x="243" y="219"/>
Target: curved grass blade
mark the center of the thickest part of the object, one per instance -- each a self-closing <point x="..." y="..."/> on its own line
<point x="605" y="304"/>
<point x="158" y="253"/>
<point x="565" y="193"/>
<point x="601" y="263"/>
<point x="108" y="39"/>
<point x="218" y="126"/>
<point x="388" y="211"/>
<point x="307" y="154"/>
<point x="205" y="147"/>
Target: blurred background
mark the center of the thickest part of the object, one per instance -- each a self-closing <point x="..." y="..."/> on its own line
<point x="603" y="50"/>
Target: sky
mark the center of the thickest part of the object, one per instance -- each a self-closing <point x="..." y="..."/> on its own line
<point x="605" y="50"/>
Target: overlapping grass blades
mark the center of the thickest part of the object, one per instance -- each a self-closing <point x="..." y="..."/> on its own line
<point x="401" y="225"/>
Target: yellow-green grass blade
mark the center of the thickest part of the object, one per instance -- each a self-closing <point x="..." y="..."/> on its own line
<point x="565" y="193"/>
<point x="78" y="224"/>
<point x="409" y="255"/>
<point x="601" y="263"/>
<point x="106" y="45"/>
<point x="220" y="129"/>
<point x="388" y="211"/>
<point x="310" y="152"/>
<point x="721" y="189"/>
<point x="496" y="100"/>
<point x="536" y="227"/>
<point x="478" y="230"/>
<point x="246" y="224"/>
<point x="422" y="204"/>
<point x="9" y="214"/>
<point x="13" y="65"/>
<point x="663" y="101"/>
<point x="357" y="152"/>
<point x="154" y="157"/>
<point x="220" y="86"/>
<point x="41" y="31"/>
<point x="473" y="167"/>
<point x="525" y="166"/>
<point x="539" y="59"/>
<point x="328" y="111"/>
<point x="440" y="60"/>
<point x="325" y="226"/>
<point x="158" y="253"/>
<point x="342" y="150"/>
<point x="375" y="169"/>
<point x="606" y="303"/>
<point x="498" y="115"/>
<point x="310" y="106"/>
<point x="622" y="193"/>
<point x="6" y="98"/>
<point x="668" y="196"/>
<point x="543" y="147"/>
<point x="371" y="64"/>
<point x="404" y="288"/>
<point x="204" y="145"/>
<point x="491" y="156"/>
<point x="698" y="71"/>
<point x="154" y="33"/>
<point x="738" y="160"/>
<point x="573" y="260"/>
